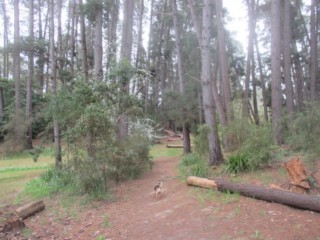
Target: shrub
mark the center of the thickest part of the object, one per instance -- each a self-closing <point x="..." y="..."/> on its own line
<point x="193" y="165"/>
<point x="255" y="145"/>
<point x="238" y="163"/>
<point x="201" y="142"/>
<point x="304" y="132"/>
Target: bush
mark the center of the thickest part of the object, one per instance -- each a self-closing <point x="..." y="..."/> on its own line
<point x="304" y="132"/>
<point x="193" y="165"/>
<point x="201" y="142"/>
<point x="255" y="144"/>
<point x="238" y="163"/>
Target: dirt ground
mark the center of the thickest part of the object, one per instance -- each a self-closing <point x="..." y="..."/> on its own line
<point x="182" y="212"/>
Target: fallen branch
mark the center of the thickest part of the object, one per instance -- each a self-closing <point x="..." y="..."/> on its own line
<point x="302" y="201"/>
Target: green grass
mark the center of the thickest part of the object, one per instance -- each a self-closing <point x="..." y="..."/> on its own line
<point x="161" y="150"/>
<point x="17" y="170"/>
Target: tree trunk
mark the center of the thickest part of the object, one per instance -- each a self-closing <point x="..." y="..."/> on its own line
<point x="287" y="59"/>
<point x="262" y="79"/>
<point x="224" y="61"/>
<point x="276" y="74"/>
<point x="16" y="57"/>
<point x="53" y="78"/>
<point x="216" y="156"/>
<point x="298" y="78"/>
<point x="83" y="43"/>
<point x="181" y="72"/>
<point x="98" y="51"/>
<point x="112" y="33"/>
<point x="30" y="77"/>
<point x="126" y="49"/>
<point x="297" y="200"/>
<point x="313" y="52"/>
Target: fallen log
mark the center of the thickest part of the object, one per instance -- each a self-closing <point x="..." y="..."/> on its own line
<point x="302" y="201"/>
<point x="174" y="139"/>
<point x="202" y="182"/>
<point x="174" y="146"/>
<point x="30" y="209"/>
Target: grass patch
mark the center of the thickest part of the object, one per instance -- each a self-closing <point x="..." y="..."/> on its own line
<point x="193" y="165"/>
<point x="161" y="150"/>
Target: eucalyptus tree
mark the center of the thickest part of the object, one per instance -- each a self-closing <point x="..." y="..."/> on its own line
<point x="98" y="51"/>
<point x="16" y="56"/>
<point x="287" y="39"/>
<point x="314" y="50"/>
<point x="30" y="75"/>
<point x="53" y="78"/>
<point x="181" y="73"/>
<point x="216" y="156"/>
<point x="84" y="57"/>
<point x="276" y="72"/>
<point x="224" y="61"/>
<point x="125" y="55"/>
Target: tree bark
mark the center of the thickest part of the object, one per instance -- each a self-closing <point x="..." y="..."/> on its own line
<point x="276" y="74"/>
<point x="302" y="201"/>
<point x="30" y="76"/>
<point x="98" y="51"/>
<point x="224" y="62"/>
<point x="313" y="52"/>
<point x="181" y="72"/>
<point x="287" y="59"/>
<point x="83" y="42"/>
<point x="216" y="156"/>
<point x="53" y="78"/>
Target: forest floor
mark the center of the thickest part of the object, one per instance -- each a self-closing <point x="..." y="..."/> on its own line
<point x="182" y="212"/>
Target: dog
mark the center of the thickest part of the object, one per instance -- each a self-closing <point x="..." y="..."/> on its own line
<point x="158" y="190"/>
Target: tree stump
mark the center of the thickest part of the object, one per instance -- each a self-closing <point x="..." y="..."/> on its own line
<point x="298" y="175"/>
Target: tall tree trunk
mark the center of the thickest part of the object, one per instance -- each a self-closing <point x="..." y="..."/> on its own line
<point x="98" y="73"/>
<point x="30" y="76"/>
<point x="146" y="93"/>
<point x="83" y="42"/>
<point x="16" y="57"/>
<point x="126" y="49"/>
<point x="41" y="59"/>
<point x="287" y="58"/>
<point x="140" y="32"/>
<point x="216" y="156"/>
<point x="53" y="78"/>
<point x="214" y="143"/>
<point x="262" y="79"/>
<point x="5" y="73"/>
<point x="313" y="52"/>
<point x="224" y="61"/>
<point x="16" y="73"/>
<point x="72" y="6"/>
<point x="112" y="32"/>
<point x="298" y="80"/>
<point x="276" y="74"/>
<point x="181" y="72"/>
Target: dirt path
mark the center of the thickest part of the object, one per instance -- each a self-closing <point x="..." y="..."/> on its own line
<point x="182" y="213"/>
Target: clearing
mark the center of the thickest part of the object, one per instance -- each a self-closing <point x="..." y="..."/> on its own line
<point x="183" y="212"/>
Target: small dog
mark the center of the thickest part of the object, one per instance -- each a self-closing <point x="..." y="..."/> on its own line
<point x="158" y="190"/>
